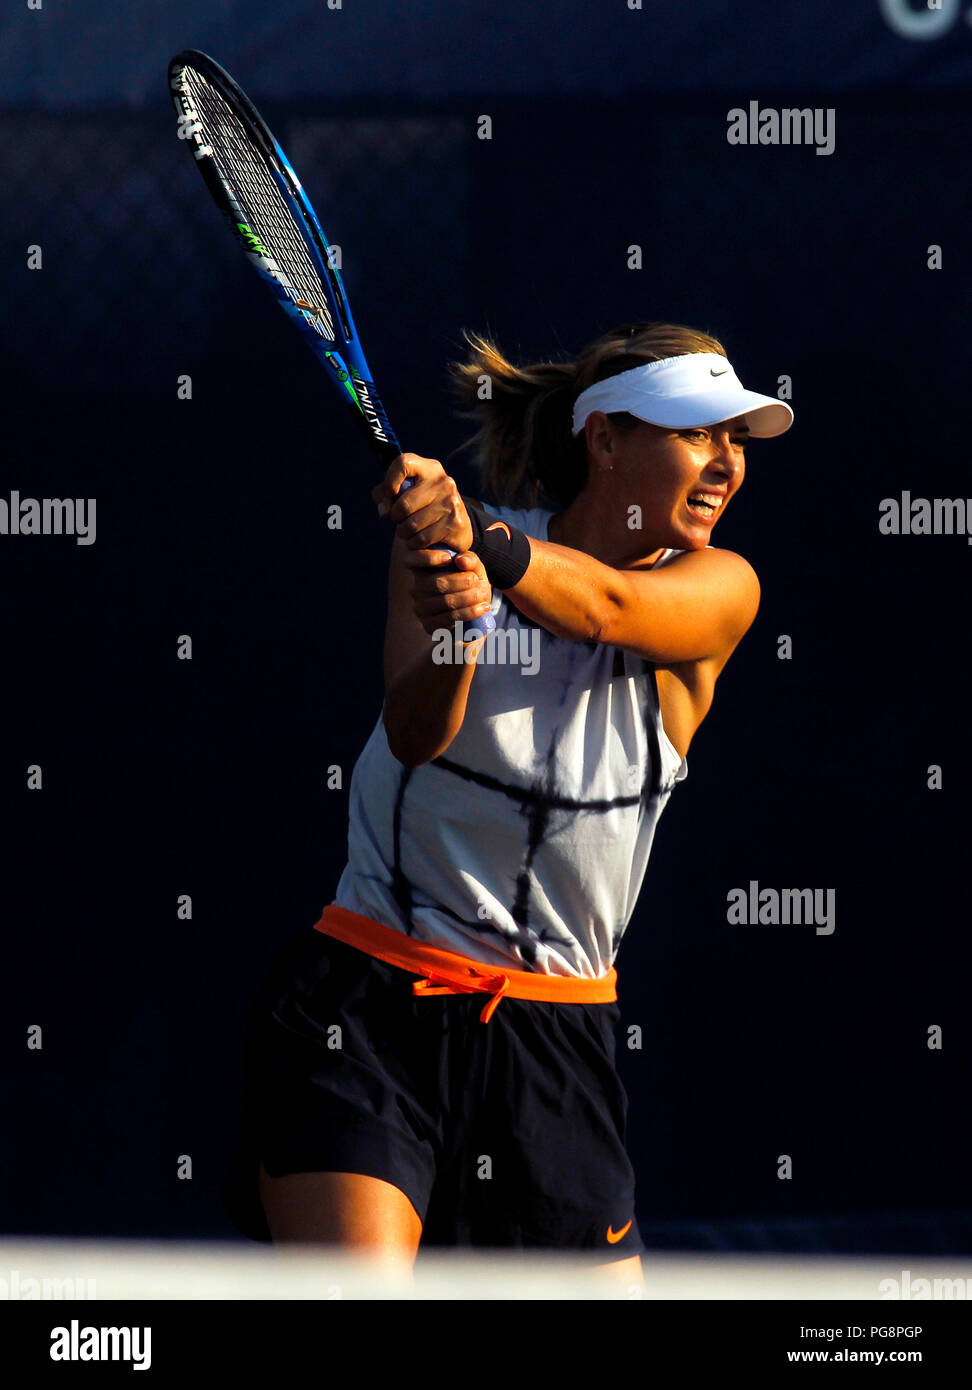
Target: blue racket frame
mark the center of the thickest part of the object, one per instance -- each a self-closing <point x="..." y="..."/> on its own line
<point x="342" y="357"/>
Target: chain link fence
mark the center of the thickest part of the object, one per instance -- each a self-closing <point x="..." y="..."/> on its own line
<point x="138" y="275"/>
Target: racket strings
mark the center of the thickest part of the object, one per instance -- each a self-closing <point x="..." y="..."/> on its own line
<point x="254" y="188"/>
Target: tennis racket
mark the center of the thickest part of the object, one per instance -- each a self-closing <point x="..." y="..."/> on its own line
<point x="255" y="187"/>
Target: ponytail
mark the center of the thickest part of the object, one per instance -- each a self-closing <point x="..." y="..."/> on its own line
<point x="524" y="418"/>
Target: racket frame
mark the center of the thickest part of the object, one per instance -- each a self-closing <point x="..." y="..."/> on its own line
<point x="342" y="356"/>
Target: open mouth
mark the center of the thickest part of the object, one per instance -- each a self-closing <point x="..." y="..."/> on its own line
<point x="704" y="504"/>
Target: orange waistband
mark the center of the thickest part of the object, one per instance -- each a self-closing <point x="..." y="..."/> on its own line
<point x="445" y="972"/>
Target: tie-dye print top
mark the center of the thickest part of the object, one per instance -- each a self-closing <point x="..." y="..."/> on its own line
<point x="525" y="844"/>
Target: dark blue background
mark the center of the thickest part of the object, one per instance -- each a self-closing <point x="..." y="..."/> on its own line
<point x="208" y="777"/>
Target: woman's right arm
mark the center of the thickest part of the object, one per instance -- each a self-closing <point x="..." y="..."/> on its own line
<point x="425" y="700"/>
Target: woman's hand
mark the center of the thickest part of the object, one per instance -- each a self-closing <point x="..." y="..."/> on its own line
<point x="430" y="512"/>
<point x="441" y="599"/>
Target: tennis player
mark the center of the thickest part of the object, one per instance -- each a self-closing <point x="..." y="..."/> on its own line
<point x="435" y="1061"/>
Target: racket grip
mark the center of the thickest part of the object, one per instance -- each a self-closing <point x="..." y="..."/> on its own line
<point x="482" y="625"/>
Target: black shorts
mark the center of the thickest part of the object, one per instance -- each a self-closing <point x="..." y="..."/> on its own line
<point x="501" y="1134"/>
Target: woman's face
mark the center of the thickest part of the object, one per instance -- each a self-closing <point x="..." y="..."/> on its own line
<point x="682" y="480"/>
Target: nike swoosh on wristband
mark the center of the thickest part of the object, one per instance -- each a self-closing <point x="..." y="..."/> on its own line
<point x="713" y="372"/>
<point x="509" y="534"/>
<point x="614" y="1236"/>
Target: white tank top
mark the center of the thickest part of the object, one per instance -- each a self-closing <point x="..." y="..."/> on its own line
<point x="525" y="844"/>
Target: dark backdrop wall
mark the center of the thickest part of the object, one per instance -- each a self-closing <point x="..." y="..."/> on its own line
<point x="208" y="777"/>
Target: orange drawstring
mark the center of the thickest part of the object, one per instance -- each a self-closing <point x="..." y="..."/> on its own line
<point x="452" y="986"/>
<point x="490" y="1005"/>
<point x="448" y="972"/>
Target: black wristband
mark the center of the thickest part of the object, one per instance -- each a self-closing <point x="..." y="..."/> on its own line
<point x="504" y="551"/>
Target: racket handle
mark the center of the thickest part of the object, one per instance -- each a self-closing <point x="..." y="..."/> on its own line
<point x="481" y="625"/>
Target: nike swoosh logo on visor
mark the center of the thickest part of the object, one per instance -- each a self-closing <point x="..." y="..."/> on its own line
<point x="713" y="372"/>
<point x="614" y="1236"/>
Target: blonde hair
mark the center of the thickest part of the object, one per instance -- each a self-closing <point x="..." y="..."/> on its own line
<point x="524" y="448"/>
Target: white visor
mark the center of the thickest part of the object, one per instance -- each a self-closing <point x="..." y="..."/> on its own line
<point x="694" y="389"/>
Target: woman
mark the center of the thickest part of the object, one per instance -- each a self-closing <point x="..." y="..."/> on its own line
<point x="436" y="1060"/>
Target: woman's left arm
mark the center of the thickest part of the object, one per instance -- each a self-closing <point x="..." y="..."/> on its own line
<point x="697" y="606"/>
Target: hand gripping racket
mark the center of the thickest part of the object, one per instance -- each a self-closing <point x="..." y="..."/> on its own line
<point x="255" y="187"/>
